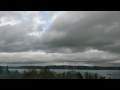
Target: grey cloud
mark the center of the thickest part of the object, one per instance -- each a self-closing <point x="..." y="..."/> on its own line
<point x="81" y="58"/>
<point x="11" y="14"/>
<point x="97" y="30"/>
<point x="70" y="35"/>
<point x="15" y="38"/>
<point x="76" y="31"/>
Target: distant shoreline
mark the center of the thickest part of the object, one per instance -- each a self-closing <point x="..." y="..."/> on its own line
<point x="65" y="67"/>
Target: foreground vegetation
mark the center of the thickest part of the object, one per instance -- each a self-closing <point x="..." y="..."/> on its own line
<point x="45" y="73"/>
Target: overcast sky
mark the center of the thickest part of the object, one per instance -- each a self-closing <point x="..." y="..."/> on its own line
<point x="86" y="38"/>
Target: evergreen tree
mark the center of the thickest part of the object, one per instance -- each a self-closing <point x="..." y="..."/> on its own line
<point x="7" y="70"/>
<point x="1" y="69"/>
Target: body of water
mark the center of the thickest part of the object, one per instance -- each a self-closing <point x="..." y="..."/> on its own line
<point x="113" y="74"/>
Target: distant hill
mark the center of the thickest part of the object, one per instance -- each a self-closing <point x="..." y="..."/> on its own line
<point x="65" y="67"/>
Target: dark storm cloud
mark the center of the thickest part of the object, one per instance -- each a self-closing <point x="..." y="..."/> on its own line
<point x="97" y="30"/>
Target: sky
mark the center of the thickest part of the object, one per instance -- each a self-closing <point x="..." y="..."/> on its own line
<point x="85" y="38"/>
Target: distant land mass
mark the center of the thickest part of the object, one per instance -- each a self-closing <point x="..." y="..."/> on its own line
<point x="65" y="67"/>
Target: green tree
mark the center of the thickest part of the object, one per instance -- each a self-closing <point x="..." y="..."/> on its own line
<point x="7" y="70"/>
<point x="1" y="69"/>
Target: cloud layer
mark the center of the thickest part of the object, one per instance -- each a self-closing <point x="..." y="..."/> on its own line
<point x="64" y="37"/>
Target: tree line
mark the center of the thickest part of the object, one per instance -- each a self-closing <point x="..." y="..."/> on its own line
<point x="45" y="73"/>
